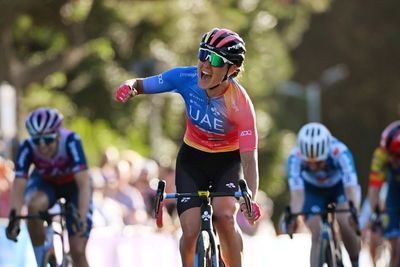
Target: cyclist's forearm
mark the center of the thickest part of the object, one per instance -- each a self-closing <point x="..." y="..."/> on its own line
<point x="373" y="196"/>
<point x="17" y="194"/>
<point x="83" y="182"/>
<point x="352" y="195"/>
<point x="250" y="171"/>
<point x="296" y="200"/>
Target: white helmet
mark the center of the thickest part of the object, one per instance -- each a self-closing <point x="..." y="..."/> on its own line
<point x="314" y="141"/>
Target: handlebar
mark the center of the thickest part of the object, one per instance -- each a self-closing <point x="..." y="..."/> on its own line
<point x="70" y="209"/>
<point x="378" y="221"/>
<point x="158" y="202"/>
<point x="246" y="196"/>
<point x="330" y="209"/>
<point x="46" y="216"/>
<point x="161" y="195"/>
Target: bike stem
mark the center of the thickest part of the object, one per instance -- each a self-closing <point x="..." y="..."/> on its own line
<point x="206" y="215"/>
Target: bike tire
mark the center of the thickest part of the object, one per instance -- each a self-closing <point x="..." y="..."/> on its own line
<point x="203" y="251"/>
<point x="67" y="261"/>
<point x="339" y="256"/>
<point x="326" y="255"/>
<point x="49" y="259"/>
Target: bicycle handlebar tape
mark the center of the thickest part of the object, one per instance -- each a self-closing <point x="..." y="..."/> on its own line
<point x="288" y="220"/>
<point x="159" y="197"/>
<point x="353" y="212"/>
<point x="159" y="218"/>
<point x="11" y="222"/>
<point x="246" y="196"/>
<point x="75" y="217"/>
<point x="158" y="207"/>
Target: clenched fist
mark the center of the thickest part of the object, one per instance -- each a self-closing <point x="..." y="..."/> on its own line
<point x="125" y="92"/>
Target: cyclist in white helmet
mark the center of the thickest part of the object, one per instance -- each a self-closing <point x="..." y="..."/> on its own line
<point x="321" y="170"/>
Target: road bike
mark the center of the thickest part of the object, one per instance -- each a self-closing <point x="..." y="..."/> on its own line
<point x="55" y="226"/>
<point x="207" y="253"/>
<point x="379" y="247"/>
<point x="330" y="253"/>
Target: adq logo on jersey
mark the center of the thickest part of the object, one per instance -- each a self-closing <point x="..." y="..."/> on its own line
<point x="160" y="79"/>
<point x="246" y="133"/>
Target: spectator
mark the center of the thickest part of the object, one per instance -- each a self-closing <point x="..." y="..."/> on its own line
<point x="129" y="197"/>
<point x="6" y="178"/>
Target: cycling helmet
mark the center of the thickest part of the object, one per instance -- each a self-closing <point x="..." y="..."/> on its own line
<point x="390" y="138"/>
<point x="43" y="121"/>
<point x="314" y="142"/>
<point x="225" y="43"/>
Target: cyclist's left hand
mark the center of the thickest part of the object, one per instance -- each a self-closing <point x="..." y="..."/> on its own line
<point x="256" y="212"/>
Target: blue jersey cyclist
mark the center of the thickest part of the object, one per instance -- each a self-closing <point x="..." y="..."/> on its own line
<point x="320" y="171"/>
<point x="60" y="171"/>
<point x="385" y="167"/>
<point x="220" y="142"/>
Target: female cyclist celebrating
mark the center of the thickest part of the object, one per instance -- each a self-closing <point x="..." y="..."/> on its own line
<point x="220" y="142"/>
<point x="60" y="172"/>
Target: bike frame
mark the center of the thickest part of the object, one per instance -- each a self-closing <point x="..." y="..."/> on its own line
<point x="66" y="259"/>
<point x="330" y="249"/>
<point x="207" y="229"/>
<point x="50" y="231"/>
<point x="206" y="238"/>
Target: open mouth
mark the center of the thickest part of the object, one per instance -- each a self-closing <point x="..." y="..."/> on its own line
<point x="205" y="76"/>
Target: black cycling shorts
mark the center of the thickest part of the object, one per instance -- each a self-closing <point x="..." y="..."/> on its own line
<point x="198" y="170"/>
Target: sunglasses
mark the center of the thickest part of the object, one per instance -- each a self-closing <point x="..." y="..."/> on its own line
<point x="215" y="59"/>
<point x="44" y="139"/>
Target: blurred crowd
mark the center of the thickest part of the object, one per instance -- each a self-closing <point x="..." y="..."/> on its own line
<point x="124" y="186"/>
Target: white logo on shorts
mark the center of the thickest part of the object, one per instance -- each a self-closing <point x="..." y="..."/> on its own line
<point x="230" y="185"/>
<point x="185" y="199"/>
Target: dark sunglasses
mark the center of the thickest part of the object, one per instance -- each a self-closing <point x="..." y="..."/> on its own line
<point x="215" y="59"/>
<point x="44" y="139"/>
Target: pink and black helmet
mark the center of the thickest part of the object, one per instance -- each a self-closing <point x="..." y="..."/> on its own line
<point x="43" y="121"/>
<point x="225" y="43"/>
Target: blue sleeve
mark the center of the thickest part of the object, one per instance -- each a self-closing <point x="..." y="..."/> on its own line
<point x="344" y="157"/>
<point x="75" y="151"/>
<point x="24" y="160"/>
<point x="347" y="165"/>
<point x="172" y="80"/>
<point x="294" y="172"/>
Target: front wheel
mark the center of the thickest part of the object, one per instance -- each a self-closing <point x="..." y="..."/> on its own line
<point x="326" y="254"/>
<point x="202" y="256"/>
<point x="49" y="259"/>
<point x="67" y="261"/>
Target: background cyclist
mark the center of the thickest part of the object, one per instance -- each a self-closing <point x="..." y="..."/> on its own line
<point x="385" y="166"/>
<point x="220" y="140"/>
<point x="321" y="170"/>
<point x="60" y="171"/>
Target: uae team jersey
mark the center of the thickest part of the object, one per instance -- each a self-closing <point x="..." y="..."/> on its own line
<point x="217" y="124"/>
<point x="339" y="166"/>
<point x="59" y="169"/>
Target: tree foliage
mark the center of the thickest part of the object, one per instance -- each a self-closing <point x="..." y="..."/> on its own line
<point x="73" y="54"/>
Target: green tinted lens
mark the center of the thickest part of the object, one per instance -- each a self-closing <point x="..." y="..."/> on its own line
<point x="216" y="61"/>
